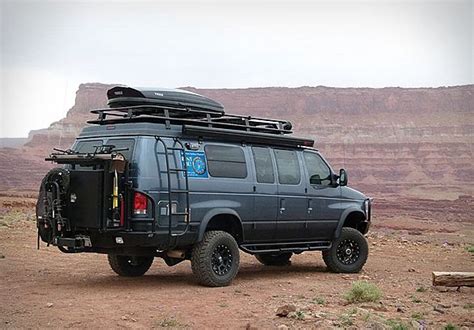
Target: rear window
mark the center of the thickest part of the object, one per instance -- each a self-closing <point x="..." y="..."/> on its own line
<point x="90" y="146"/>
<point x="123" y="144"/>
<point x="226" y="161"/>
<point x="87" y="146"/>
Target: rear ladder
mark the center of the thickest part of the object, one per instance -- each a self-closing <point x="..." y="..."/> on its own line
<point x="176" y="191"/>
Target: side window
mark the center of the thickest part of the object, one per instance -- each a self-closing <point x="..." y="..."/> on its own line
<point x="263" y="165"/>
<point x="288" y="166"/>
<point x="319" y="172"/>
<point x="226" y="161"/>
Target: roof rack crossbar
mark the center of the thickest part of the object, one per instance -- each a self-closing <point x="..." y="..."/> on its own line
<point x="186" y="115"/>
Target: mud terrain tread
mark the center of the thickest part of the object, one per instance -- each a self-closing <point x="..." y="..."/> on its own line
<point x="282" y="259"/>
<point x="120" y="265"/>
<point x="202" y="254"/>
<point x="330" y="259"/>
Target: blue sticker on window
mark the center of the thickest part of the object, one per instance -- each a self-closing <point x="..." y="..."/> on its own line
<point x="196" y="164"/>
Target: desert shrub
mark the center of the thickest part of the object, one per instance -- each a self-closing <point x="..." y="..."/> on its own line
<point x="319" y="300"/>
<point x="450" y="326"/>
<point x="396" y="325"/>
<point x="417" y="315"/>
<point x="363" y="291"/>
<point x="421" y="289"/>
<point x="346" y="319"/>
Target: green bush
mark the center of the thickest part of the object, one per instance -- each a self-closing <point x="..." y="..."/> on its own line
<point x="417" y="315"/>
<point x="396" y="325"/>
<point x="363" y="291"/>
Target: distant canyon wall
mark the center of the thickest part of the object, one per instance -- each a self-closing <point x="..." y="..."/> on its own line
<point x="381" y="136"/>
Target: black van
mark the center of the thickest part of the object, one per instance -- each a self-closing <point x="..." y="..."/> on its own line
<point x="167" y="173"/>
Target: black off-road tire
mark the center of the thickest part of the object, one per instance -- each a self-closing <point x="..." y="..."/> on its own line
<point x="282" y="259"/>
<point x="130" y="266"/>
<point x="215" y="260"/>
<point x="339" y="260"/>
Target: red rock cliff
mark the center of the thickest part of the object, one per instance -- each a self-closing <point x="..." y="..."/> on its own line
<point x="383" y="137"/>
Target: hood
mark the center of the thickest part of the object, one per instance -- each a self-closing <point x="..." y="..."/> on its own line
<point x="349" y="193"/>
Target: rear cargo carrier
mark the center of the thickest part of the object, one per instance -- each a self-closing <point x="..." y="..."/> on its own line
<point x="87" y="194"/>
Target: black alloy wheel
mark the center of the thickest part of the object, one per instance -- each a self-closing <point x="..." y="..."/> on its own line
<point x="348" y="252"/>
<point x="221" y="260"/>
<point x="215" y="259"/>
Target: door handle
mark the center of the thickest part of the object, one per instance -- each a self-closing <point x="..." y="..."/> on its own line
<point x="282" y="206"/>
<point x="310" y="209"/>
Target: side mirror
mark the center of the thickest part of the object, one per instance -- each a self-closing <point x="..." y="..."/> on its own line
<point x="342" y="177"/>
<point x="315" y="179"/>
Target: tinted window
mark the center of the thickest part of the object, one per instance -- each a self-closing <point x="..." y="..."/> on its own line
<point x="319" y="172"/>
<point x="263" y="165"/>
<point x="226" y="161"/>
<point x="288" y="166"/>
<point x="87" y="146"/>
<point x="123" y="144"/>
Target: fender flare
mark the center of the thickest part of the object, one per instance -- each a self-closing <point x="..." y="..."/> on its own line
<point x="211" y="214"/>
<point x="343" y="218"/>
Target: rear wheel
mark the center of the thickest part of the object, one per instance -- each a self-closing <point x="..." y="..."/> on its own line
<point x="130" y="266"/>
<point x="348" y="253"/>
<point x="215" y="260"/>
<point x="281" y="259"/>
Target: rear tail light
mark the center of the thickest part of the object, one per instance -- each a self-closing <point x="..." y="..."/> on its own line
<point x="140" y="203"/>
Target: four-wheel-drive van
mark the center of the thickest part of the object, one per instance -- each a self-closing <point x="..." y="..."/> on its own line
<point x="167" y="173"/>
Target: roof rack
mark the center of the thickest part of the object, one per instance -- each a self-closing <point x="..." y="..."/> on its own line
<point x="202" y="122"/>
<point x="186" y="115"/>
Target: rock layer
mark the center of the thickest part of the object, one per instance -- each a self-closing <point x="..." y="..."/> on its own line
<point x="384" y="137"/>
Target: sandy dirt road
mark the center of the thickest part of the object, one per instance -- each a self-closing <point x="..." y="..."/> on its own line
<point x="48" y="289"/>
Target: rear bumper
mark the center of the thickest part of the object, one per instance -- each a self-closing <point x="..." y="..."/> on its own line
<point x="121" y="241"/>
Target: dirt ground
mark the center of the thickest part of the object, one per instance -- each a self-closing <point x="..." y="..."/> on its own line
<point x="48" y="289"/>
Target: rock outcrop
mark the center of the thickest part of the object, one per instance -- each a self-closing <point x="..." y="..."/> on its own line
<point x="384" y="137"/>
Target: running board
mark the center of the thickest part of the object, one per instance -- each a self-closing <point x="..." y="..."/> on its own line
<point x="285" y="247"/>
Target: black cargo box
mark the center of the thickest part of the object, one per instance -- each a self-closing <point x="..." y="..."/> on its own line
<point x="122" y="96"/>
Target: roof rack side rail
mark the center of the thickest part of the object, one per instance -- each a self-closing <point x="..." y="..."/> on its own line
<point x="246" y="137"/>
<point x="168" y="115"/>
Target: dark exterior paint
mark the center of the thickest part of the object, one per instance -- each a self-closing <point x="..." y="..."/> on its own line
<point x="266" y="212"/>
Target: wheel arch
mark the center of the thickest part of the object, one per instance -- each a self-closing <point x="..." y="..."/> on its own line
<point x="352" y="217"/>
<point x="224" y="219"/>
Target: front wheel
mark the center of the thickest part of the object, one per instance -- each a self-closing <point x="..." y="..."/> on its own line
<point x="215" y="260"/>
<point x="348" y="253"/>
<point x="130" y="266"/>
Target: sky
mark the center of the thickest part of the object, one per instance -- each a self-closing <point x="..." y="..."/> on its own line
<point x="48" y="48"/>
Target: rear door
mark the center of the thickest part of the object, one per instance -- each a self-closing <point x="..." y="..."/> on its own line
<point x="292" y="201"/>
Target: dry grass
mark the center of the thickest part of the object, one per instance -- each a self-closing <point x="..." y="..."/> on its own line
<point x="363" y="291"/>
